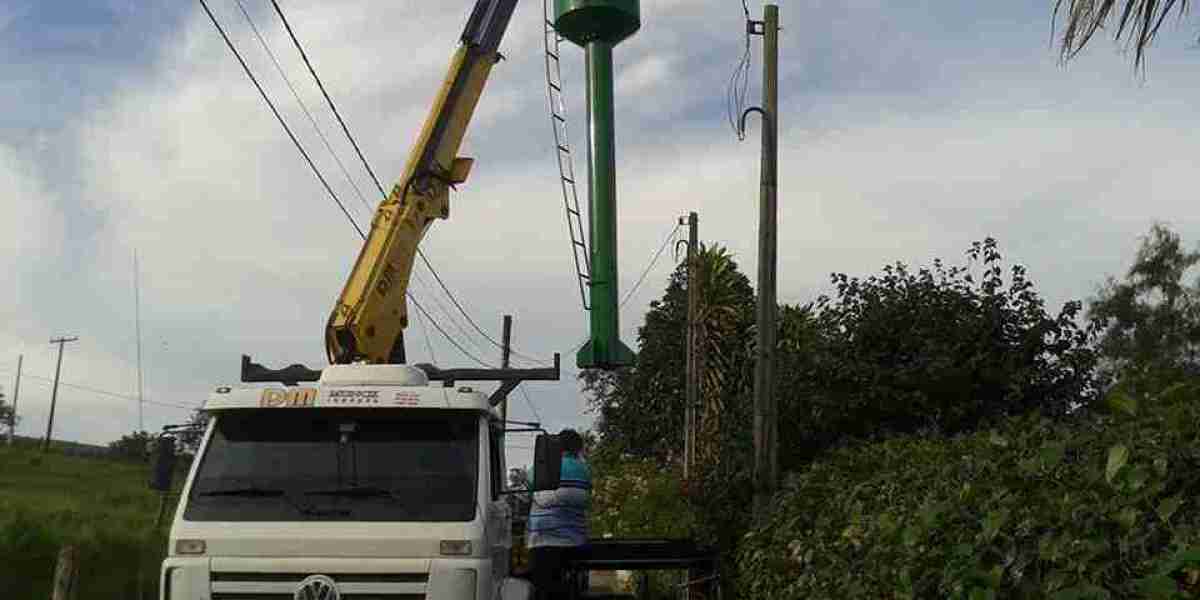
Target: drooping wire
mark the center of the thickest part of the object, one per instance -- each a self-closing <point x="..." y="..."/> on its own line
<point x="49" y="381"/>
<point x="425" y="334"/>
<point x="654" y="260"/>
<point x="279" y="117"/>
<point x="345" y="129"/>
<point x="529" y="403"/>
<point x="303" y="106"/>
<point x="440" y="307"/>
<point x="313" y="72"/>
<point x="464" y="312"/>
<point x="739" y="82"/>
<point x="317" y="172"/>
<point x="452" y="341"/>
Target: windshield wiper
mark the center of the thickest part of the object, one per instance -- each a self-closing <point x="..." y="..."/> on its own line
<point x="250" y="491"/>
<point x="362" y="491"/>
<point x="259" y="492"/>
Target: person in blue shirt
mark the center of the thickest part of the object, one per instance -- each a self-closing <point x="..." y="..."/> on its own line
<point x="558" y="519"/>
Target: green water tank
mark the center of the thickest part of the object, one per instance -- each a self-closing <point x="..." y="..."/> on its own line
<point x="583" y="21"/>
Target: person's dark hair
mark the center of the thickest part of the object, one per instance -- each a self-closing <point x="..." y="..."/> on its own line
<point x="572" y="443"/>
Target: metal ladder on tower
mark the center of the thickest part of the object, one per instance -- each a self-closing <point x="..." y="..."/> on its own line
<point x="562" y="151"/>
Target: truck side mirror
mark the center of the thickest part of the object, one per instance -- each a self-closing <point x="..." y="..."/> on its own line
<point x="164" y="464"/>
<point x="547" y="463"/>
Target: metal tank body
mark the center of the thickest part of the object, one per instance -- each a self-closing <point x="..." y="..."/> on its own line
<point x="583" y="21"/>
<point x="597" y="26"/>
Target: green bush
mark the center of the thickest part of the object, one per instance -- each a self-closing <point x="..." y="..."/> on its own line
<point x="100" y="506"/>
<point x="634" y="498"/>
<point x="1102" y="506"/>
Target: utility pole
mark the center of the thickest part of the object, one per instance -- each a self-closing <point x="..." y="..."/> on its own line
<point x="693" y="359"/>
<point x="766" y="427"/>
<point x="695" y="365"/>
<point x="12" y="415"/>
<point x="505" y="357"/>
<point x="54" y="393"/>
<point x="137" y="320"/>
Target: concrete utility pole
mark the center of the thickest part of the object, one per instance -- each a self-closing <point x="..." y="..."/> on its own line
<point x="54" y="393"/>
<point x="12" y="415"/>
<point x="766" y="427"/>
<point x="693" y="362"/>
<point x="505" y="357"/>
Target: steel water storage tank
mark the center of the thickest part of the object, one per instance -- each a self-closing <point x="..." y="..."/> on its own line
<point x="583" y="21"/>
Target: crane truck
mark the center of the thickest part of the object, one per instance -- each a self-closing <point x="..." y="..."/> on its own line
<point x="371" y="478"/>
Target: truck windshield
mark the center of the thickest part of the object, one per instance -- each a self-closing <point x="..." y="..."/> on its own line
<point x="338" y="464"/>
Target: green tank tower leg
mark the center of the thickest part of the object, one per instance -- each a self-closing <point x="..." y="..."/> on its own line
<point x="597" y="26"/>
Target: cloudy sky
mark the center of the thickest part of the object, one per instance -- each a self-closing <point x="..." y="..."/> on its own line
<point x="908" y="130"/>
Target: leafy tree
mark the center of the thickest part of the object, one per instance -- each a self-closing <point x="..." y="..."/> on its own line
<point x="6" y="413"/>
<point x="1150" y="321"/>
<point x="935" y="350"/>
<point x="133" y="446"/>
<point x="640" y="409"/>
<point x="1137" y="22"/>
<point x="189" y="439"/>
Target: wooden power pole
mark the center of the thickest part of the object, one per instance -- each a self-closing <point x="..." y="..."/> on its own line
<point x="54" y="393"/>
<point x="693" y="367"/>
<point x="505" y="357"/>
<point x="766" y="426"/>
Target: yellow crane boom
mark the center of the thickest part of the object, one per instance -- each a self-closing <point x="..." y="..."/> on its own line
<point x="368" y="321"/>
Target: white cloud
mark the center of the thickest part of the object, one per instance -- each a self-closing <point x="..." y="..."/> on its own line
<point x="887" y="154"/>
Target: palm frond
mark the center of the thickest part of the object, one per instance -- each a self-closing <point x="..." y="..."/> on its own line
<point x="1138" y="23"/>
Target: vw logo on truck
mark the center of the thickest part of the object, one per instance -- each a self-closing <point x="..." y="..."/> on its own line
<point x="317" y="587"/>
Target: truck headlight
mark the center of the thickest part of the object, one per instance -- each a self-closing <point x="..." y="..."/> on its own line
<point x="456" y="547"/>
<point x="189" y="547"/>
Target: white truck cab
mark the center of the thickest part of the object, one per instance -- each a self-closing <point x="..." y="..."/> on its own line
<point x="372" y="484"/>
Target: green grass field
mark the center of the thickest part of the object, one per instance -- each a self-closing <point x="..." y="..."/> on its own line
<point x="101" y="506"/>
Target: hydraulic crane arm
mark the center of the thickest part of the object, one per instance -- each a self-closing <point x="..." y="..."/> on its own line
<point x="370" y="316"/>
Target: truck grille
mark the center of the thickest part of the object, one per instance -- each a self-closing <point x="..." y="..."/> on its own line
<point x="352" y="586"/>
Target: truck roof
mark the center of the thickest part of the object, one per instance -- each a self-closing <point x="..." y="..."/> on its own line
<point x="358" y="386"/>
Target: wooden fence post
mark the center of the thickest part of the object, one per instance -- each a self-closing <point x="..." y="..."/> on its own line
<point x="66" y="573"/>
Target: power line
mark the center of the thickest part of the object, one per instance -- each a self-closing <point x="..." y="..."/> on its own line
<point x="470" y="320"/>
<point x="48" y="381"/>
<point x="739" y="81"/>
<point x="447" y="315"/>
<point x="452" y="341"/>
<point x="313" y="166"/>
<point x="529" y="403"/>
<point x="428" y="343"/>
<point x="653" y="261"/>
<point x="304" y="107"/>
<point x="278" y="117"/>
<point x="345" y="129"/>
<point x="311" y="70"/>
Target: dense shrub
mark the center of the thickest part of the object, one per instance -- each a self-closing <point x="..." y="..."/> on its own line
<point x="940" y="349"/>
<point x="1101" y="506"/>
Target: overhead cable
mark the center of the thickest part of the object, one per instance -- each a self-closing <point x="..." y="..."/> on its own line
<point x="654" y="260"/>
<point x="311" y="70"/>
<point x="315" y="170"/>
<point x="345" y="129"/>
<point x="739" y="82"/>
<point x="537" y="417"/>
<point x="453" y="341"/>
<point x="49" y="381"/>
<point x="303" y="106"/>
<point x="278" y="117"/>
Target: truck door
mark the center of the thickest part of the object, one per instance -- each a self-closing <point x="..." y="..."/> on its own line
<point x="499" y="519"/>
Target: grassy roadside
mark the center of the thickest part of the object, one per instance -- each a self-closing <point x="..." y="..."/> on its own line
<point x="101" y="506"/>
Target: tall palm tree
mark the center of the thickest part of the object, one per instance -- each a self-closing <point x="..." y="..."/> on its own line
<point x="1137" y="22"/>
